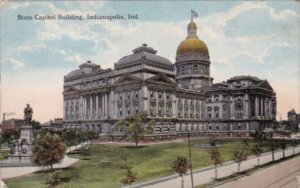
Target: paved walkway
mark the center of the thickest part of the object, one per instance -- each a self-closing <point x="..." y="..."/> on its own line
<point x="206" y="175"/>
<point x="10" y="172"/>
<point x="273" y="176"/>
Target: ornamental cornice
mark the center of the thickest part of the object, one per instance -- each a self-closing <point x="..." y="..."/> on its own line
<point x="182" y="76"/>
<point x="128" y="87"/>
<point x="192" y="57"/>
<point x="160" y="87"/>
<point x="71" y="96"/>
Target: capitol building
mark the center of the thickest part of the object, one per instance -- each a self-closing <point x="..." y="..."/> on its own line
<point x="180" y="96"/>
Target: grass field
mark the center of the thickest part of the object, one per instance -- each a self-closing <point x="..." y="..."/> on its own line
<point x="101" y="166"/>
<point x="4" y="154"/>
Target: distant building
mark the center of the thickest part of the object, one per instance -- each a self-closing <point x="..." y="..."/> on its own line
<point x="179" y="96"/>
<point x="293" y="120"/>
<point x="56" y="124"/>
<point x="11" y="125"/>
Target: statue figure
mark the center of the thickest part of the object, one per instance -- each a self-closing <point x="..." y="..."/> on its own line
<point x="28" y="114"/>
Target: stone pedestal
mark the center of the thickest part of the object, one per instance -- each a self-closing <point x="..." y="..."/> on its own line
<point x="23" y="151"/>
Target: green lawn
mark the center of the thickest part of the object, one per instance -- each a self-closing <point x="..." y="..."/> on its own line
<point x="101" y="168"/>
<point x="4" y="154"/>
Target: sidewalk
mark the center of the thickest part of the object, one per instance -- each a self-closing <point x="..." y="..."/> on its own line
<point x="272" y="176"/>
<point x="10" y="172"/>
<point x="206" y="175"/>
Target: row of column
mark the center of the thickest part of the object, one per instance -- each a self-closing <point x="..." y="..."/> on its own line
<point x="71" y="109"/>
<point x="189" y="108"/>
<point x="262" y="107"/>
<point x="94" y="106"/>
<point x="172" y="108"/>
<point x="132" y="107"/>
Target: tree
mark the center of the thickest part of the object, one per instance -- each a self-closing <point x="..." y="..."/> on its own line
<point x="181" y="166"/>
<point x="54" y="179"/>
<point x="257" y="151"/>
<point x="36" y="126"/>
<point x="92" y="135"/>
<point x="49" y="148"/>
<point x="133" y="127"/>
<point x="239" y="157"/>
<point x="130" y="175"/>
<point x="215" y="156"/>
<point x="212" y="140"/>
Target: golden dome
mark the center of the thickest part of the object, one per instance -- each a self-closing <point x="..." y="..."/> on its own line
<point x="192" y="45"/>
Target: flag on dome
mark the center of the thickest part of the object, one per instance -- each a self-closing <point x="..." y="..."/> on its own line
<point x="194" y="14"/>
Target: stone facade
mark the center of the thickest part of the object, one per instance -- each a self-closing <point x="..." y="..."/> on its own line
<point x="180" y="97"/>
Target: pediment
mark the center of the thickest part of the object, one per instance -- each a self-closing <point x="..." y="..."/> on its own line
<point x="265" y="84"/>
<point x="160" y="79"/>
<point x="127" y="79"/>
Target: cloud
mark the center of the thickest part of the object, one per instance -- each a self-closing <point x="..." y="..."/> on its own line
<point x="77" y="58"/>
<point x="14" y="5"/>
<point x="282" y="15"/>
<point x="15" y="63"/>
<point x="32" y="48"/>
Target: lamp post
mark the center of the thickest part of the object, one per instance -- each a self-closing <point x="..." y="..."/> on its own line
<point x="190" y="155"/>
<point x="283" y="146"/>
<point x="272" y="147"/>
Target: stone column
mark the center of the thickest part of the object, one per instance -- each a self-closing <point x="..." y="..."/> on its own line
<point x="231" y="107"/>
<point x="270" y="107"/>
<point x="144" y="98"/>
<point x="91" y="107"/>
<point x="83" y="108"/>
<point x="165" y="105"/>
<point x="256" y="106"/>
<point x="261" y="107"/>
<point x="111" y="104"/>
<point x="105" y="106"/>
<point x="183" y="107"/>
<point x="70" y="117"/>
<point x="141" y="98"/>
<point x="80" y="107"/>
<point x="97" y="107"/>
<point x="157" y="104"/>
<point x="174" y="105"/>
<point x="246" y="103"/>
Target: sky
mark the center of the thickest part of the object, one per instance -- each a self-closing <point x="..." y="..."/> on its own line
<point x="258" y="38"/>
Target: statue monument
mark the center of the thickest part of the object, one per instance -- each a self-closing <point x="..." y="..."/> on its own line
<point x="23" y="149"/>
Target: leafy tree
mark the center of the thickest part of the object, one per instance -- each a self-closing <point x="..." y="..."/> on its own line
<point x="10" y="136"/>
<point x="212" y="140"/>
<point x="181" y="166"/>
<point x="130" y="175"/>
<point x="134" y="127"/>
<point x="54" y="179"/>
<point x="215" y="156"/>
<point x="257" y="151"/>
<point x="36" y="126"/>
<point x="239" y="157"/>
<point x="92" y="135"/>
<point x="49" y="148"/>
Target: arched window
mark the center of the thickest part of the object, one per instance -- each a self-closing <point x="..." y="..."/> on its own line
<point x="195" y="69"/>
